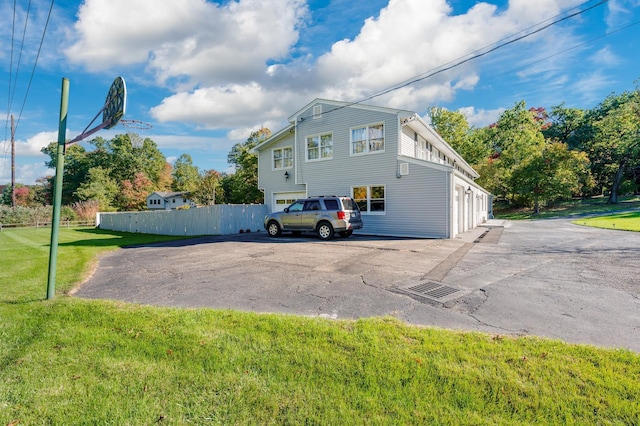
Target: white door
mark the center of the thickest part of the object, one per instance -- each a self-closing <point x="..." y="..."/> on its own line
<point x="283" y="199"/>
<point x="456" y="211"/>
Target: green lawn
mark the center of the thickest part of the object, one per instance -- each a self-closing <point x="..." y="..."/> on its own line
<point x="73" y="361"/>
<point x="629" y="221"/>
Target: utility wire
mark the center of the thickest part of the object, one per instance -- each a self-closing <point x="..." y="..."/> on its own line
<point x="608" y="33"/>
<point x="13" y="26"/>
<point x="481" y="52"/>
<point x="24" y="36"/>
<point x="478" y="55"/>
<point x="496" y="43"/>
<point x="35" y="64"/>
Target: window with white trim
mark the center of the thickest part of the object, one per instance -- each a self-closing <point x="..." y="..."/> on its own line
<point x="371" y="199"/>
<point x="283" y="158"/>
<point x="422" y="151"/>
<point x="367" y="139"/>
<point x="320" y="147"/>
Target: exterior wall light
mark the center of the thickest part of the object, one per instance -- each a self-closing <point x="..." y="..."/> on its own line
<point x="286" y="175"/>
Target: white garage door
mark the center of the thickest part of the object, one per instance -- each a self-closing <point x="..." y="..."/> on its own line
<point x="283" y="199"/>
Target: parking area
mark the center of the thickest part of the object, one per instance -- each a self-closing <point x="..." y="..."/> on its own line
<point x="548" y="278"/>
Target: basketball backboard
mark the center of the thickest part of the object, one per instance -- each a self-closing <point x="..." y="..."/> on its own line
<point x="116" y="103"/>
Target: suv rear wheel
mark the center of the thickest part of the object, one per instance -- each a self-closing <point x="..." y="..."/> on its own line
<point x="274" y="229"/>
<point x="325" y="231"/>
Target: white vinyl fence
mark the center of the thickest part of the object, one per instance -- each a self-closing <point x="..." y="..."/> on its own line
<point x="212" y="220"/>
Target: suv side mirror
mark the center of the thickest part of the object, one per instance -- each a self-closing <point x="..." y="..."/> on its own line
<point x="286" y="209"/>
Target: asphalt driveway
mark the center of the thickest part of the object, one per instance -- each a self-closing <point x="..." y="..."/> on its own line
<point x="548" y="278"/>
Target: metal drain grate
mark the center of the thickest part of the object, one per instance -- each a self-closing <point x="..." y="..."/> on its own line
<point x="432" y="290"/>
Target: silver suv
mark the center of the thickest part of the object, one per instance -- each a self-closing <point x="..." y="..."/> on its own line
<point x="325" y="215"/>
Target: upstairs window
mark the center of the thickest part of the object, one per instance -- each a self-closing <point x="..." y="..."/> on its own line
<point x="320" y="147"/>
<point x="422" y="149"/>
<point x="367" y="139"/>
<point x="283" y="158"/>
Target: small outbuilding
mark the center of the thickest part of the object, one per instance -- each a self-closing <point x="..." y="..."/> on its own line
<point x="168" y="200"/>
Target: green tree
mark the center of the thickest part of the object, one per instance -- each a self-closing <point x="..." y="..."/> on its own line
<point x="453" y="127"/>
<point x="554" y="173"/>
<point x="100" y="187"/>
<point x="515" y="140"/>
<point x="566" y="125"/>
<point x="210" y="190"/>
<point x="77" y="163"/>
<point x="186" y="176"/>
<point x="119" y="157"/>
<point x="615" y="146"/>
<point x="241" y="187"/>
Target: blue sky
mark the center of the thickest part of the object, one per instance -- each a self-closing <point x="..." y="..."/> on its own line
<point x="205" y="74"/>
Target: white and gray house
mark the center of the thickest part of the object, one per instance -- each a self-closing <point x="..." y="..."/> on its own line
<point x="168" y="200"/>
<point x="407" y="180"/>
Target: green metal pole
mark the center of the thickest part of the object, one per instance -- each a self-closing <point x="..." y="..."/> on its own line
<point x="57" y="190"/>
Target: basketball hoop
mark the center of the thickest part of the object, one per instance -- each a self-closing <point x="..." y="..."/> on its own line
<point x="135" y="131"/>
<point x="113" y="110"/>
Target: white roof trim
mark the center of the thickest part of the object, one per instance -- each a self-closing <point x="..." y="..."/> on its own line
<point x="273" y="138"/>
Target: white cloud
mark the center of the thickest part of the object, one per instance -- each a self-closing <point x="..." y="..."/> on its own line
<point x="32" y="146"/>
<point x="620" y="11"/>
<point x="590" y="86"/>
<point x="192" y="41"/>
<point x="481" y="117"/>
<point x="188" y="143"/>
<point x="606" y="57"/>
<point x="233" y="66"/>
<point x="27" y="174"/>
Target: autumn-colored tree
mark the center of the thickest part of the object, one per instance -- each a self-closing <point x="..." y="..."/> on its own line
<point x="133" y="195"/>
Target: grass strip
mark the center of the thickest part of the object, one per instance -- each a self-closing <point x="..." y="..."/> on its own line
<point x="629" y="221"/>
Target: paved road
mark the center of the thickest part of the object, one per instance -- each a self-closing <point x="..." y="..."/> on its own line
<point x="547" y="278"/>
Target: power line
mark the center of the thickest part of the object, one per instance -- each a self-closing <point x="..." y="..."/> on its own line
<point x="35" y="63"/>
<point x="481" y="52"/>
<point x="478" y="55"/>
<point x="24" y="36"/>
<point x="606" y="34"/>
<point x="13" y="26"/>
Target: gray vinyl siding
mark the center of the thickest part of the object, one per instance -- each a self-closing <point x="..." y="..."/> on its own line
<point x="336" y="176"/>
<point x="272" y="180"/>
<point x="417" y="205"/>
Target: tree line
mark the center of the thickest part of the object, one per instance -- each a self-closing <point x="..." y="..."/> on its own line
<point x="529" y="157"/>
<point x="118" y="175"/>
<point x="534" y="158"/>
